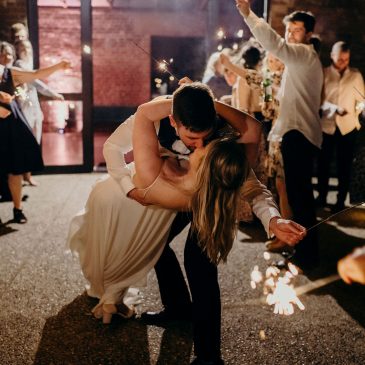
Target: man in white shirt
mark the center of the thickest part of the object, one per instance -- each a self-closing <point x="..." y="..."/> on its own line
<point x="343" y="87"/>
<point x="298" y="124"/>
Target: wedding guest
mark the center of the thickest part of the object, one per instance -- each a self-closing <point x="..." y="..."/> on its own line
<point x="298" y="125"/>
<point x="213" y="76"/>
<point x="28" y="100"/>
<point x="343" y="90"/>
<point x="19" y="150"/>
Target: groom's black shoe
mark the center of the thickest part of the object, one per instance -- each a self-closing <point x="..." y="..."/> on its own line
<point x="198" y="361"/>
<point x="162" y="317"/>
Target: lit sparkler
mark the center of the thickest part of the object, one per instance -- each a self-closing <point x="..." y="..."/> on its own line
<point x="279" y="289"/>
<point x="162" y="65"/>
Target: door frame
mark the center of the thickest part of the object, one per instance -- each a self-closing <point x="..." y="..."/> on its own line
<point x="87" y="83"/>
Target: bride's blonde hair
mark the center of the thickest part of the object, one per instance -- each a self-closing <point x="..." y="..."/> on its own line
<point x="220" y="177"/>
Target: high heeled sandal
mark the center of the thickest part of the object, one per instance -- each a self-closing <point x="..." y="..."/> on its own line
<point x="107" y="312"/>
<point x="125" y="312"/>
<point x="19" y="216"/>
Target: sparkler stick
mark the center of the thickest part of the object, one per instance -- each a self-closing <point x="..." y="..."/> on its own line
<point x="162" y="65"/>
<point x="331" y="216"/>
<point x="316" y="284"/>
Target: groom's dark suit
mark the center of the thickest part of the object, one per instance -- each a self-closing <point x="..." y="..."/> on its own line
<point x="201" y="274"/>
<point x="204" y="306"/>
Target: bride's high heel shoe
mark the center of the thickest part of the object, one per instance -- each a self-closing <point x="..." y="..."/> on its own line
<point x="126" y="312"/>
<point x="108" y="311"/>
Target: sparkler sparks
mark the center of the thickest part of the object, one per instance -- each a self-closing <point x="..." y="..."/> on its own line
<point x="162" y="65"/>
<point x="278" y="289"/>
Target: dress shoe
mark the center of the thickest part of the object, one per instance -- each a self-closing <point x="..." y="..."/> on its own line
<point x="199" y="361"/>
<point x="164" y="316"/>
<point x="19" y="216"/>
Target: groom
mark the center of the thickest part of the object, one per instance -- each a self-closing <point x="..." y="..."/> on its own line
<point x="192" y="125"/>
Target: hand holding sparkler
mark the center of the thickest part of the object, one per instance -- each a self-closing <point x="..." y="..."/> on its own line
<point x="287" y="230"/>
<point x="352" y="267"/>
<point x="243" y="7"/>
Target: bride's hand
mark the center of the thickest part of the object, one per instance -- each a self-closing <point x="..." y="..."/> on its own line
<point x="185" y="80"/>
<point x="138" y="195"/>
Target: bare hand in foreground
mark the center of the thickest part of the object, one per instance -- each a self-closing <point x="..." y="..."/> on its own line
<point x="352" y="267"/>
<point x="287" y="230"/>
<point x="243" y="7"/>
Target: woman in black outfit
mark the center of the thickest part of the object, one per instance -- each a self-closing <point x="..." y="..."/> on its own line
<point x="19" y="150"/>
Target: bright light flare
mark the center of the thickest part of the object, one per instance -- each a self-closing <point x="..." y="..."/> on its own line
<point x="278" y="287"/>
<point x="162" y="66"/>
<point x="220" y="33"/>
<point x="256" y="277"/>
<point x="240" y="33"/>
<point x="283" y="297"/>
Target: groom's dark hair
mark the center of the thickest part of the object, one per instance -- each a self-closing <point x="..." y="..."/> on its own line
<point x="193" y="107"/>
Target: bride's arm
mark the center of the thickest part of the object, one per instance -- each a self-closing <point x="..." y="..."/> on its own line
<point x="248" y="127"/>
<point x="146" y="153"/>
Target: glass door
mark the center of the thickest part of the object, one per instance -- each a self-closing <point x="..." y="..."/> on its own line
<point x="64" y="32"/>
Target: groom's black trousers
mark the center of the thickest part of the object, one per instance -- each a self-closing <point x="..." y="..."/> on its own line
<point x="202" y="276"/>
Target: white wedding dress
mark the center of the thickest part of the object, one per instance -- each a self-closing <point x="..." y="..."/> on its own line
<point x="118" y="240"/>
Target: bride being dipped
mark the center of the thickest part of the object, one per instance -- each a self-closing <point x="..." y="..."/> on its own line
<point x="119" y="240"/>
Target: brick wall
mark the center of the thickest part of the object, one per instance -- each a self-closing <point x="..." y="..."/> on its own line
<point x="336" y="20"/>
<point x="121" y="70"/>
<point x="11" y="11"/>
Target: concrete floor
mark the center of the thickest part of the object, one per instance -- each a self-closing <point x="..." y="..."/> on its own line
<point x="45" y="314"/>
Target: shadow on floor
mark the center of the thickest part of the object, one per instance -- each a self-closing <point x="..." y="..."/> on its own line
<point x="73" y="336"/>
<point x="5" y="229"/>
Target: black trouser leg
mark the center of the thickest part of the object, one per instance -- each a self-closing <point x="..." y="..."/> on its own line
<point x="173" y="289"/>
<point x="298" y="156"/>
<point x="345" y="153"/>
<point x="324" y="163"/>
<point x="202" y="275"/>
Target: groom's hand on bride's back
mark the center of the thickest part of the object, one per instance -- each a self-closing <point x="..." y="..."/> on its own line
<point x="138" y="195"/>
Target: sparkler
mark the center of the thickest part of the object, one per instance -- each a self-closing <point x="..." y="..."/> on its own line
<point x="162" y="65"/>
<point x="279" y="290"/>
<point x="333" y="215"/>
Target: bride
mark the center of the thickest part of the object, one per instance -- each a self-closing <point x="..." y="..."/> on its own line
<point x="119" y="240"/>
